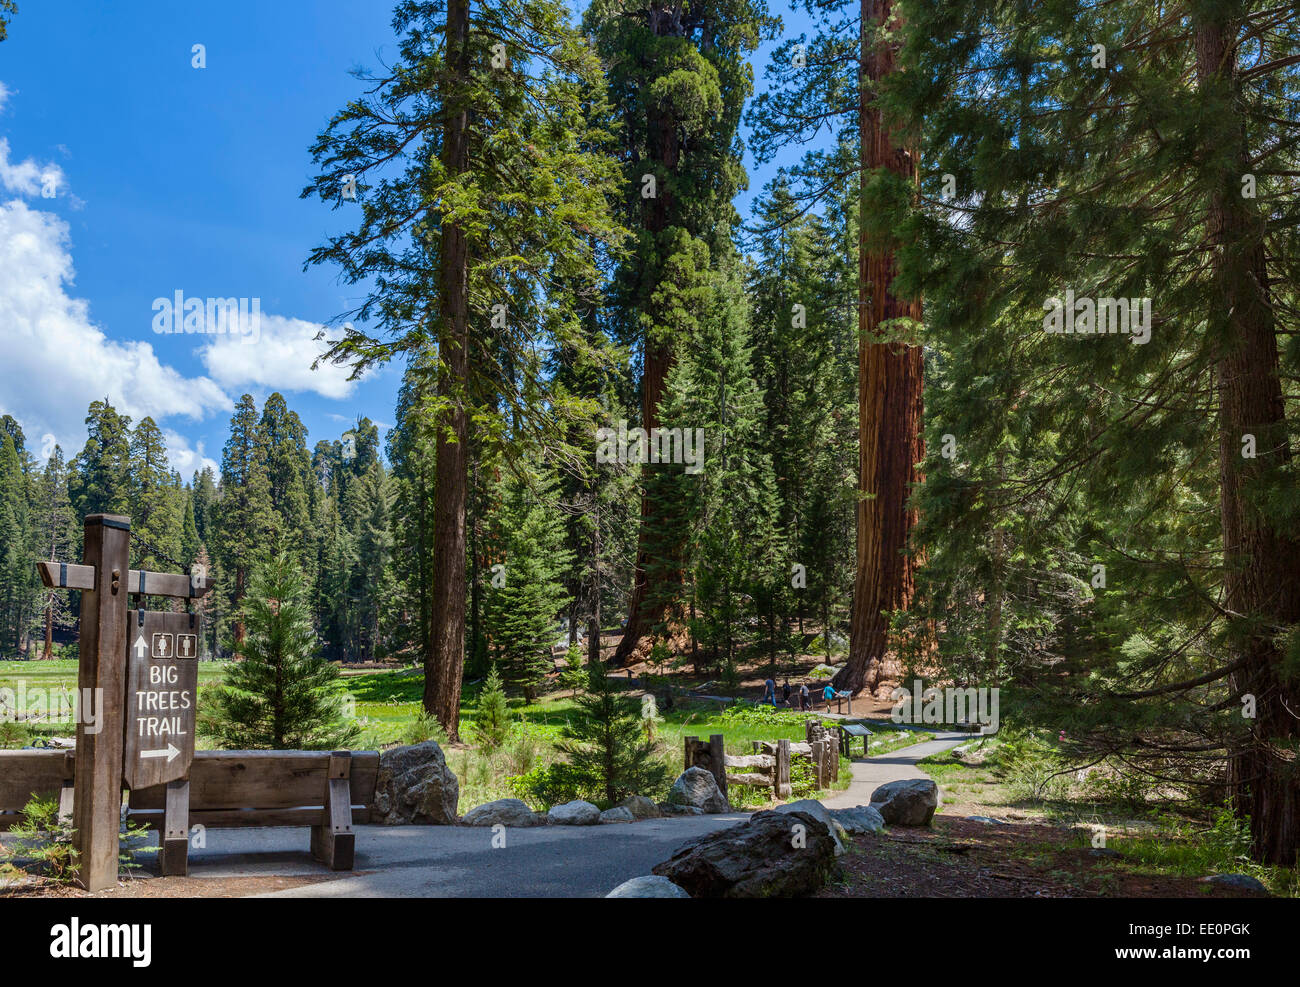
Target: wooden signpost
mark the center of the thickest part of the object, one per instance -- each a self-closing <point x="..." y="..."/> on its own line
<point x="143" y="694"/>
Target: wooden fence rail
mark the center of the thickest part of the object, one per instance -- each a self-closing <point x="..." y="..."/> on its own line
<point x="769" y="765"/>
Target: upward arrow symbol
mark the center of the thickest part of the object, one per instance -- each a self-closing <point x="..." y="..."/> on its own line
<point x="141" y="647"/>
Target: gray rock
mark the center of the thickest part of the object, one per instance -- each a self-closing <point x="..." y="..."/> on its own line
<point x="650" y="886"/>
<point x="575" y="813"/>
<point x="986" y="820"/>
<point x="641" y="807"/>
<point x="907" y="803"/>
<point x="669" y="809"/>
<point x="1242" y="881"/>
<point x="503" y="812"/>
<point x="697" y="787"/>
<point x="818" y="812"/>
<point x="859" y="821"/>
<point x="760" y="858"/>
<point x="415" y="785"/>
<point x="618" y="814"/>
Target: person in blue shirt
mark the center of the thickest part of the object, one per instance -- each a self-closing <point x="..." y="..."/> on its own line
<point x="828" y="694"/>
<point x="769" y="692"/>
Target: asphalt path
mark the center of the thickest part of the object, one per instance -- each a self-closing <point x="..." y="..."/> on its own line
<point x="459" y="861"/>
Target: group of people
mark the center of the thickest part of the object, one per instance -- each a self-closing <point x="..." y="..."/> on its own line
<point x="801" y="700"/>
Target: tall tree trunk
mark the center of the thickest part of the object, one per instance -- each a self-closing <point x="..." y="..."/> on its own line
<point x="889" y="396"/>
<point x="593" y="628"/>
<point x="657" y="579"/>
<point x="1262" y="562"/>
<point x="444" y="665"/>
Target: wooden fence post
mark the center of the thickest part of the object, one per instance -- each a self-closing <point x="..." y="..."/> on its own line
<point x="691" y="744"/>
<point x="819" y="762"/>
<point x="97" y="801"/>
<point x="718" y="762"/>
<point x="781" y="774"/>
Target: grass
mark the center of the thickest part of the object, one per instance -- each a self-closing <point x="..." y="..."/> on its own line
<point x="42" y="686"/>
<point x="1018" y="777"/>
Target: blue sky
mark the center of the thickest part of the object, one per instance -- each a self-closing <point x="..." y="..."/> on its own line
<point x="165" y="178"/>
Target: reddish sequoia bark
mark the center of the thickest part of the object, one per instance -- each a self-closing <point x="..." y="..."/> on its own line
<point x="1262" y="563"/>
<point x="657" y="579"/>
<point x="889" y="399"/>
<point x="445" y="660"/>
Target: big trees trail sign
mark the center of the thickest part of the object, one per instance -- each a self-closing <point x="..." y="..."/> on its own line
<point x="162" y="682"/>
<point x="143" y="667"/>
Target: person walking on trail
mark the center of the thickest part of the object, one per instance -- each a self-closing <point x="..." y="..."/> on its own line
<point x="828" y="694"/>
<point x="769" y="692"/>
<point x="805" y="701"/>
<point x="785" y="693"/>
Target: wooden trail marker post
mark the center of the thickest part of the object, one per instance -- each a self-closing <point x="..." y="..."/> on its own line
<point x="132" y="690"/>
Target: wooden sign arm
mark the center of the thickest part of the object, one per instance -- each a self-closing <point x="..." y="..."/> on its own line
<point x="64" y="575"/>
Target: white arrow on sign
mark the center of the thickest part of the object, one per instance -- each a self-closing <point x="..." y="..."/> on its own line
<point x="141" y="647"/>
<point x="170" y="753"/>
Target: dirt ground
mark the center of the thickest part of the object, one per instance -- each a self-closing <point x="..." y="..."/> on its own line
<point x="958" y="858"/>
<point x="167" y="887"/>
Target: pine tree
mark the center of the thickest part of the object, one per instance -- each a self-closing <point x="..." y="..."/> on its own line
<point x="16" y="568"/>
<point x="279" y="695"/>
<point x="155" y="503"/>
<point x="282" y="446"/>
<point x="204" y="496"/>
<point x="372" y="581"/>
<point x="492" y="720"/>
<point x="410" y="451"/>
<point x="190" y="542"/>
<point x="491" y="204"/>
<point x="520" y="613"/>
<point x="100" y="480"/>
<point x="245" y="518"/>
<point x="1121" y="152"/>
<point x="56" y="540"/>
<point x="606" y="744"/>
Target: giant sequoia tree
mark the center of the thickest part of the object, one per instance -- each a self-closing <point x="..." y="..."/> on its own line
<point x="830" y="82"/>
<point x="1125" y="151"/>
<point x="473" y="166"/>
<point x="678" y="80"/>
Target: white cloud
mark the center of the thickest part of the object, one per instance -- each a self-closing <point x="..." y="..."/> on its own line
<point x="185" y="459"/>
<point x="5" y="93"/>
<point x="278" y="356"/>
<point x="54" y="360"/>
<point x="27" y="177"/>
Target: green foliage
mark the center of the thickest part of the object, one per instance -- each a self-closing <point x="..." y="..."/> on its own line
<point x="42" y="837"/>
<point x="520" y="613"/>
<point x="492" y="721"/>
<point x="279" y="694"/>
<point x="13" y="734"/>
<point x="606" y="745"/>
<point x="422" y="727"/>
<point x="761" y="714"/>
<point x="552" y="784"/>
<point x="574" y="675"/>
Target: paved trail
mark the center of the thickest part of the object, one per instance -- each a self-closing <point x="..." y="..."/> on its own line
<point x="543" y="862"/>
<point x="871" y="773"/>
<point x="460" y="861"/>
